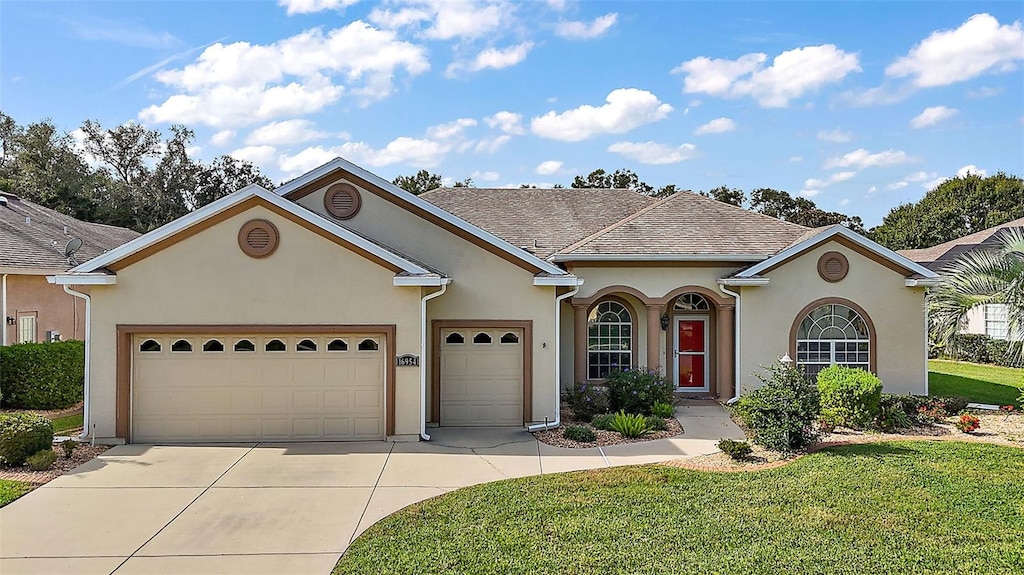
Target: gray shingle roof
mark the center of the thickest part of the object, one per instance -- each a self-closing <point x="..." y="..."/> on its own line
<point x="544" y="221"/>
<point x="39" y="243"/>
<point x="936" y="257"/>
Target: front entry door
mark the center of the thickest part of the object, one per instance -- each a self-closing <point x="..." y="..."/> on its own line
<point x="691" y="354"/>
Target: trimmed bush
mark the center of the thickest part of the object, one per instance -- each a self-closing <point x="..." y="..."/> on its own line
<point x="979" y="348"/>
<point x="665" y="410"/>
<point x="636" y="390"/>
<point x="580" y="433"/>
<point x="23" y="434"/>
<point x="42" y="460"/>
<point x="656" y="423"/>
<point x="42" y="375"/>
<point x="586" y="400"/>
<point x="630" y="425"/>
<point x="735" y="449"/>
<point x="849" y="396"/>
<point x="781" y="414"/>
<point x="603" y="421"/>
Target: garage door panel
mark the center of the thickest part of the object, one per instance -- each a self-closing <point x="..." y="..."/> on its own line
<point x="481" y="383"/>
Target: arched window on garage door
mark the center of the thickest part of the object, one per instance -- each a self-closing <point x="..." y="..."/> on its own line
<point x="834" y="334"/>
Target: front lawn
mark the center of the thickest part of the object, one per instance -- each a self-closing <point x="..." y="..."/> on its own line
<point x="900" y="507"/>
<point x="11" y="490"/>
<point x="990" y="384"/>
<point x="66" y="423"/>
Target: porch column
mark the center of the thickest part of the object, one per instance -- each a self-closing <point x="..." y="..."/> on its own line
<point x="726" y="350"/>
<point x="579" y="342"/>
<point x="653" y="336"/>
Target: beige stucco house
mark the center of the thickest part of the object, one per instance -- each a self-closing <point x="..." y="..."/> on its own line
<point x="340" y="307"/>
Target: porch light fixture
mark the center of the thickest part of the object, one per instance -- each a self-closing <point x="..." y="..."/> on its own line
<point x="10" y="320"/>
<point x="786" y="360"/>
<point x="664" y="322"/>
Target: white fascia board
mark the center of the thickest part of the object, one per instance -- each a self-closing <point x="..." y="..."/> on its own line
<point x="570" y="257"/>
<point x="922" y="282"/>
<point x="340" y="163"/>
<point x="85" y="279"/>
<point x="848" y="234"/>
<point x="738" y="281"/>
<point x="220" y="205"/>
<point x="423" y="281"/>
<point x="568" y="281"/>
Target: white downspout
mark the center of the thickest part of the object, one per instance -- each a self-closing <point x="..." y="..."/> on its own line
<point x="423" y="355"/>
<point x="736" y="334"/>
<point x="88" y="347"/>
<point x="3" y="304"/>
<point x="927" y="339"/>
<point x="558" y="362"/>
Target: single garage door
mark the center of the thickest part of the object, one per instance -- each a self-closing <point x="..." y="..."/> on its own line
<point x="481" y="377"/>
<point x="301" y="387"/>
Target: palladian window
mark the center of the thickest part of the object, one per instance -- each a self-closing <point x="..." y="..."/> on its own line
<point x="833" y="334"/>
<point x="609" y="339"/>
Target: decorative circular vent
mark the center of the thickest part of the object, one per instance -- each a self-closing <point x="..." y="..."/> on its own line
<point x="342" y="201"/>
<point x="258" y="238"/>
<point x="833" y="266"/>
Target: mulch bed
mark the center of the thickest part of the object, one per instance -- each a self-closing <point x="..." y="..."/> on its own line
<point x="554" y="437"/>
<point x="84" y="452"/>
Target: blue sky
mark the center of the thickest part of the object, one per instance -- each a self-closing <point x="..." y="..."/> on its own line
<point x="859" y="106"/>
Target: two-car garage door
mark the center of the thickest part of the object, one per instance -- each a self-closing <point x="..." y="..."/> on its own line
<point x="267" y="387"/>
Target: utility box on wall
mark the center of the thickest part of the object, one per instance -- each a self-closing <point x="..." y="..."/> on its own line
<point x="52" y="336"/>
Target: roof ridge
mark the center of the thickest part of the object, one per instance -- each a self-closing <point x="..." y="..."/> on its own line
<point x="747" y="210"/>
<point x="615" y="225"/>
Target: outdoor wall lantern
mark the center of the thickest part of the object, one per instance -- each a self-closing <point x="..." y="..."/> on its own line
<point x="664" y="322"/>
<point x="10" y="320"/>
<point x="786" y="360"/>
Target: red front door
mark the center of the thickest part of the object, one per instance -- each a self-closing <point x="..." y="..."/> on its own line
<point x="691" y="354"/>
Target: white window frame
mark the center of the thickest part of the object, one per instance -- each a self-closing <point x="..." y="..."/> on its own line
<point x="827" y="345"/>
<point x="28" y="328"/>
<point x="996" y="322"/>
<point x="627" y="340"/>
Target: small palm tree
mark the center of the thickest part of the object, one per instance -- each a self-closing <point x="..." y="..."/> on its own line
<point x="983" y="277"/>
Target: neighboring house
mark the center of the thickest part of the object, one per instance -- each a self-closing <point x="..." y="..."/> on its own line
<point x="989" y="319"/>
<point x="340" y="307"/>
<point x="33" y="240"/>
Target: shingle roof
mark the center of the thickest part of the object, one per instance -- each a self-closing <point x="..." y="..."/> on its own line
<point x="936" y="257"/>
<point x="686" y="223"/>
<point x="543" y="220"/>
<point x="39" y="242"/>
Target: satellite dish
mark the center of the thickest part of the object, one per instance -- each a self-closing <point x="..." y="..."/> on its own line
<point x="73" y="245"/>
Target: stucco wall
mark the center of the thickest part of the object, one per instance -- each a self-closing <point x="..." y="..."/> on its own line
<point x="768" y="313"/>
<point x="206" y="279"/>
<point x="485" y="286"/>
<point x="55" y="309"/>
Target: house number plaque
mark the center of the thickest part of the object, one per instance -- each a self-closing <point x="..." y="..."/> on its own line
<point x="408" y="360"/>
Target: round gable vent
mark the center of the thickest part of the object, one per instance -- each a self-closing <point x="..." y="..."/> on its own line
<point x="342" y="201"/>
<point x="258" y="238"/>
<point x="833" y="266"/>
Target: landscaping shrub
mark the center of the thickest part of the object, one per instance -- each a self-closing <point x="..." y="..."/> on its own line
<point x="23" y="434"/>
<point x="656" y="423"/>
<point x="68" y="446"/>
<point x="586" y="400"/>
<point x="781" y="414"/>
<point x="579" y="433"/>
<point x="849" y="396"/>
<point x="636" y="390"/>
<point x="972" y="347"/>
<point x="42" y="375"/>
<point x="892" y="418"/>
<point x="735" y="449"/>
<point x="952" y="405"/>
<point x="603" y="421"/>
<point x="665" y="410"/>
<point x="42" y="460"/>
<point x="630" y="425"/>
<point x="968" y="423"/>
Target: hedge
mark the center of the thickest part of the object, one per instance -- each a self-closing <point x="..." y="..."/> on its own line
<point x="42" y="375"/>
<point x="976" y="348"/>
<point x="849" y="396"/>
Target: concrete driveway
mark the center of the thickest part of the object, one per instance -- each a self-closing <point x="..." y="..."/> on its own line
<point x="266" y="508"/>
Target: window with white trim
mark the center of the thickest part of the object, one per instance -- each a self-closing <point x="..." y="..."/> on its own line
<point x="832" y="334"/>
<point x="995" y="321"/>
<point x="609" y="339"/>
<point x="26" y="328"/>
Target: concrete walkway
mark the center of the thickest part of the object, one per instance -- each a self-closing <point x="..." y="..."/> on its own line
<point x="287" y="508"/>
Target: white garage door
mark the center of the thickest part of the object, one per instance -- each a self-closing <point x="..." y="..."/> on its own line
<point x="302" y="387"/>
<point x="481" y="377"/>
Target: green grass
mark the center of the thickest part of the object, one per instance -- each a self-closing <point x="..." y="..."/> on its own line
<point x="990" y="384"/>
<point x="11" y="490"/>
<point x="67" y="423"/>
<point x="900" y="507"/>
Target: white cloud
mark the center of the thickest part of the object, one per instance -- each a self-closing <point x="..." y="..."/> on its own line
<point x="809" y="193"/>
<point x="494" y="58"/>
<point x="838" y="136"/>
<point x="945" y="57"/>
<point x="984" y="92"/>
<point x="928" y="180"/>
<point x="489" y="146"/>
<point x="897" y="185"/>
<point x="872" y="190"/>
<point x="451" y="129"/>
<point x="861" y="158"/>
<point x="446" y="19"/>
<point x="508" y="122"/>
<point x="654" y="153"/>
<point x="311" y="6"/>
<point x="259" y="155"/>
<point x="549" y="167"/>
<point x="791" y="75"/>
<point x="971" y="169"/>
<point x="833" y="179"/>
<point x="222" y="138"/>
<point x="485" y="176"/>
<point x="716" y="126"/>
<point x="583" y="31"/>
<point x="933" y="115"/>
<point x="794" y="159"/>
<point x="557" y="5"/>
<point x="193" y="151"/>
<point x="419" y="153"/>
<point x="238" y="84"/>
<point x="626" y="109"/>
<point x="284" y="133"/>
<point x="844" y="202"/>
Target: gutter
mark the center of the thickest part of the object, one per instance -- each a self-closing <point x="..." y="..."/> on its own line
<point x="558" y="362"/>
<point x="736" y="335"/>
<point x="88" y="348"/>
<point x="573" y="257"/>
<point x="423" y="354"/>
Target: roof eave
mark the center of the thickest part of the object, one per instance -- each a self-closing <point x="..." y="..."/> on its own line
<point x="743" y="258"/>
<point x="83" y="279"/>
<point x="741" y="282"/>
<point x="421" y="281"/>
<point x="558" y="281"/>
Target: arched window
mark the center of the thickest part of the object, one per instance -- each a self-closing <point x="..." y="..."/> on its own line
<point x="275" y="345"/>
<point x="244" y="345"/>
<point x="150" y="346"/>
<point x="454" y="338"/>
<point x="368" y="345"/>
<point x="482" y="338"/>
<point x="509" y="338"/>
<point x="213" y="345"/>
<point x="306" y="345"/>
<point x="181" y="346"/>
<point x="337" y="345"/>
<point x="691" y="302"/>
<point x="833" y="334"/>
<point x="609" y="339"/>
